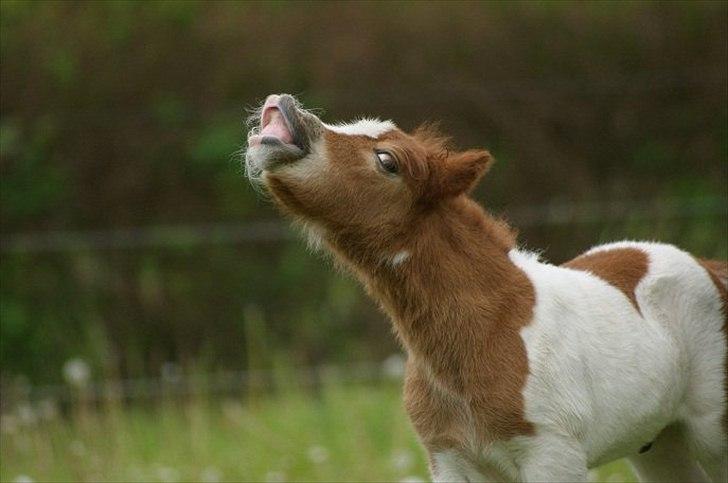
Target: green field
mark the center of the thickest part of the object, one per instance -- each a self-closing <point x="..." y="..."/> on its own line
<point x="341" y="432"/>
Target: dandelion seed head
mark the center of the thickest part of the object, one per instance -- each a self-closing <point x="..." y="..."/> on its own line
<point x="77" y="448"/>
<point x="318" y="454"/>
<point x="47" y="409"/>
<point x="8" y="424"/>
<point x="167" y="474"/>
<point x="77" y="372"/>
<point x="26" y="415"/>
<point x="275" y="476"/>
<point x="233" y="411"/>
<point x="210" y="475"/>
<point x="393" y="366"/>
<point x="412" y="479"/>
<point x="171" y="373"/>
<point x="402" y="460"/>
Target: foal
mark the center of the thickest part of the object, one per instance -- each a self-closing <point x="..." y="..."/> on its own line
<point x="517" y="370"/>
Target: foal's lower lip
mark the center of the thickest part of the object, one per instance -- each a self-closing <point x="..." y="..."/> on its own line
<point x="258" y="140"/>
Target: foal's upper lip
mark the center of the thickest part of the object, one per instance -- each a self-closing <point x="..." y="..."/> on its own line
<point x="278" y="103"/>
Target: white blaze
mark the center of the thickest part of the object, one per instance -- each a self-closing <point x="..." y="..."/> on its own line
<point x="372" y="128"/>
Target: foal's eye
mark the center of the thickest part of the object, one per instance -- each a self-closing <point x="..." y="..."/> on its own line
<point x="387" y="162"/>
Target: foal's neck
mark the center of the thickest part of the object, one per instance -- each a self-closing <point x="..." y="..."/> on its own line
<point x="453" y="286"/>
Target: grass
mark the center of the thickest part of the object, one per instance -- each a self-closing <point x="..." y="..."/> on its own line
<point x="352" y="432"/>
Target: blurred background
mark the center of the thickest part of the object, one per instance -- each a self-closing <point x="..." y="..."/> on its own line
<point x="160" y="321"/>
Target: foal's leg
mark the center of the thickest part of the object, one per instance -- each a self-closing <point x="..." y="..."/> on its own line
<point x="450" y="466"/>
<point x="669" y="459"/>
<point x="706" y="437"/>
<point x="553" y="458"/>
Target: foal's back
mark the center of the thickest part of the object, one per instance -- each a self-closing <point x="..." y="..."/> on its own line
<point x="671" y="344"/>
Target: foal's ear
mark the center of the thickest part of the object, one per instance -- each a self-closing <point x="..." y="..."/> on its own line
<point x="462" y="171"/>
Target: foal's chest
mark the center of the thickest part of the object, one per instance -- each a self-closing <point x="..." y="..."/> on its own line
<point x="445" y="421"/>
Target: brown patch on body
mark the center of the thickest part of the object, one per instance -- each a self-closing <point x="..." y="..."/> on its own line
<point x="718" y="272"/>
<point x="457" y="303"/>
<point x="458" y="306"/>
<point x="623" y="268"/>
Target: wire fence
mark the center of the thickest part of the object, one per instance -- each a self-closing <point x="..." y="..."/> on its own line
<point x="172" y="382"/>
<point x="560" y="213"/>
<point x="175" y="384"/>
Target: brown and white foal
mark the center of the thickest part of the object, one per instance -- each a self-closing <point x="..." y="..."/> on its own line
<point x="517" y="370"/>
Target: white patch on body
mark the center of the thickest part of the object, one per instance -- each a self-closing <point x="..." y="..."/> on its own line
<point x="372" y="128"/>
<point x="399" y="258"/>
<point x="604" y="379"/>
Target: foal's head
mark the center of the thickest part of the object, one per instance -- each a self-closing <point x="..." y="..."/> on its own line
<point x="362" y="176"/>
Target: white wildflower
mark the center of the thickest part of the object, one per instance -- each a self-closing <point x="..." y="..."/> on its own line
<point x="23" y="479"/>
<point x="393" y="366"/>
<point x="26" y="415"/>
<point x="167" y="474"/>
<point x="77" y="448"/>
<point x="318" y="454"/>
<point x="275" y="477"/>
<point x="8" y="424"/>
<point x="402" y="460"/>
<point x="171" y="373"/>
<point x="233" y="411"/>
<point x="137" y="474"/>
<point x="76" y="372"/>
<point x="48" y="409"/>
<point x="210" y="475"/>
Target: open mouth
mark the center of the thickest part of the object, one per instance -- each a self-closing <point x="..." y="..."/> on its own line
<point x="280" y="127"/>
<point x="284" y="134"/>
<point x="274" y="129"/>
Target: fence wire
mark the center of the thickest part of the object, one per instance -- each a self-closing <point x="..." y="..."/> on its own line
<point x="175" y="384"/>
<point x="177" y="236"/>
